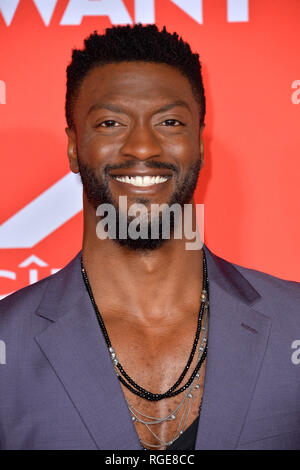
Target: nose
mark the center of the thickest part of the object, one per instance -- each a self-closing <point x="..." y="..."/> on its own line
<point x="141" y="143"/>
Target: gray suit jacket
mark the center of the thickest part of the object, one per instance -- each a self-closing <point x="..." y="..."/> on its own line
<point x="58" y="389"/>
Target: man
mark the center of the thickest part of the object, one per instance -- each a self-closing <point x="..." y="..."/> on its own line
<point x="140" y="342"/>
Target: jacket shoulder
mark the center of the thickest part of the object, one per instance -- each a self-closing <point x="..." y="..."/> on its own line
<point x="274" y="293"/>
<point x="257" y="278"/>
<point x="26" y="300"/>
<point x="273" y="289"/>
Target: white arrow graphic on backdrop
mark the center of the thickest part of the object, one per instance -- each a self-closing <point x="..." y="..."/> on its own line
<point x="32" y="259"/>
<point x="51" y="209"/>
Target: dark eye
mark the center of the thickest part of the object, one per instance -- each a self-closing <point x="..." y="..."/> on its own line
<point x="172" y="122"/>
<point x="108" y="123"/>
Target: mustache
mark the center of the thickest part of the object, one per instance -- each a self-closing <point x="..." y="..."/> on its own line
<point x="132" y="163"/>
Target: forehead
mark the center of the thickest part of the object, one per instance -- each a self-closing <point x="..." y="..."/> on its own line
<point x="138" y="84"/>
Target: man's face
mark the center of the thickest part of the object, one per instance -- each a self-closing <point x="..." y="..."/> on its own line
<point x="136" y="120"/>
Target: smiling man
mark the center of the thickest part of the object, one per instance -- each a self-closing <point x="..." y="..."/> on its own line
<point x="140" y="342"/>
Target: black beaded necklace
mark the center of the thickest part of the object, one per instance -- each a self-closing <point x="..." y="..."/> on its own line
<point x="130" y="384"/>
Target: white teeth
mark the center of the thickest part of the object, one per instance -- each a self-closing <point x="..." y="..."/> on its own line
<point x="141" y="180"/>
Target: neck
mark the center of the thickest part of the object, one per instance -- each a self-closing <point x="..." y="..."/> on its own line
<point x="148" y="284"/>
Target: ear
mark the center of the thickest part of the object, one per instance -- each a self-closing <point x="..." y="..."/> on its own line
<point x="201" y="145"/>
<point x="72" y="150"/>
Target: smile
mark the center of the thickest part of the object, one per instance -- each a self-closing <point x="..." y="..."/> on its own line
<point x="142" y="181"/>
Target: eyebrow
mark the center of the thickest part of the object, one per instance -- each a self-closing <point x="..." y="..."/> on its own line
<point x="117" y="109"/>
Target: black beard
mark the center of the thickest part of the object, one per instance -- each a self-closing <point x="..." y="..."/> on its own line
<point x="97" y="192"/>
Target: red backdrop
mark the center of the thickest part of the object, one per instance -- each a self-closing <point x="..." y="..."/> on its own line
<point x="250" y="182"/>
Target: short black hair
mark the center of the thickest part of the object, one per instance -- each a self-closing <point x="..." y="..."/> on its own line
<point x="131" y="44"/>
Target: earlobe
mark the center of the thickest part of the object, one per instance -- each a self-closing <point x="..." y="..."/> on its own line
<point x="72" y="150"/>
<point x="202" y="153"/>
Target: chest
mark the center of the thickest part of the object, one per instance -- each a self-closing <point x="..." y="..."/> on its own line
<point x="156" y="363"/>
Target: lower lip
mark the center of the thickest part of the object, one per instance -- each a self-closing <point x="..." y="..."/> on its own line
<point x="141" y="189"/>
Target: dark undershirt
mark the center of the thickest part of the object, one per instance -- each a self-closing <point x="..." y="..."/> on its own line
<point x="187" y="440"/>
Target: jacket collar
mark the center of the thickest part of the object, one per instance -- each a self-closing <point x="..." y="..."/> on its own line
<point x="229" y="279"/>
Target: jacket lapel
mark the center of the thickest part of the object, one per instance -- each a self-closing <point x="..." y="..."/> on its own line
<point x="237" y="339"/>
<point x="75" y="348"/>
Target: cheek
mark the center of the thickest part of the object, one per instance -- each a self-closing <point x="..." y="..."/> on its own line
<point x="184" y="151"/>
<point x="95" y="150"/>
